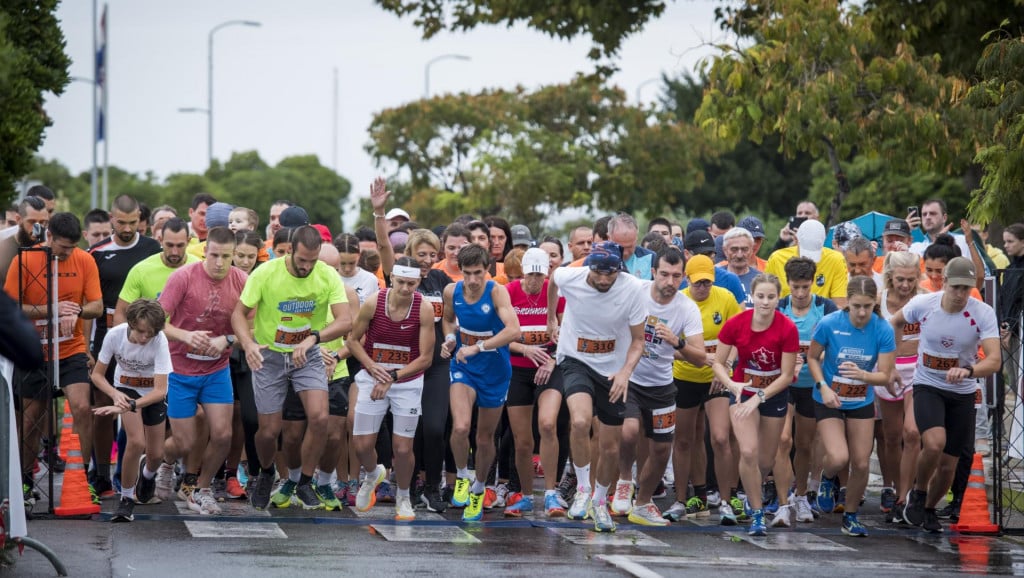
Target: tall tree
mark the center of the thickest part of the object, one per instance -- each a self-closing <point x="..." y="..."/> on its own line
<point x="32" y="62"/>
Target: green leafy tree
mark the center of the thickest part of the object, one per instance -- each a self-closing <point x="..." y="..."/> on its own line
<point x="32" y="62"/>
<point x="818" y="77"/>
<point x="1000" y="95"/>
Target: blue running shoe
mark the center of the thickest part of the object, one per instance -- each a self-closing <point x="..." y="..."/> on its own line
<point x="827" y="491"/>
<point x="553" y="508"/>
<point x="853" y="527"/>
<point x="757" y="527"/>
<point x="520" y="505"/>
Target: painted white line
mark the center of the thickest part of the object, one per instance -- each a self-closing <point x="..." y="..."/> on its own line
<point x="387" y="512"/>
<point x="228" y="508"/>
<point x="588" y="537"/>
<point x="435" y="534"/>
<point x="250" y="530"/>
<point x="758" y="561"/>
<point x="626" y="564"/>
<point x="801" y="541"/>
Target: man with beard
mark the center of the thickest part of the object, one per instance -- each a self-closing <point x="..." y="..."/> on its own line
<point x="115" y="256"/>
<point x="147" y="278"/>
<point x="34" y="219"/>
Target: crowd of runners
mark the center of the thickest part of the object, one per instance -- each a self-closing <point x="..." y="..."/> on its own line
<point x="456" y="367"/>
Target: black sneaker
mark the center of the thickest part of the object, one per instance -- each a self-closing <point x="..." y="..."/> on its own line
<point x="567" y="487"/>
<point x="416" y="491"/>
<point x="124" y="512"/>
<point x="261" y="492"/>
<point x="660" y="491"/>
<point x="104" y="489"/>
<point x="433" y="500"/>
<point x="947" y="512"/>
<point x="145" y="490"/>
<point x="931" y="522"/>
<point x="447" y="493"/>
<point x="307" y="497"/>
<point x="896" y="515"/>
<point x="913" y="513"/>
<point x="58" y="464"/>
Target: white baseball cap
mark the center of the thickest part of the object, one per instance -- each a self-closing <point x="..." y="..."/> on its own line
<point x="535" y="261"/>
<point x="810" y="238"/>
<point x="396" y="213"/>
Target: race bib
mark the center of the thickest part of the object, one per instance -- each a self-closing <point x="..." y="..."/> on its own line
<point x="289" y="337"/>
<point x="938" y="362"/>
<point x="437" y="302"/>
<point x="44" y="332"/>
<point x="534" y="335"/>
<point x="136" y="382"/>
<point x="805" y="346"/>
<point x="978" y="399"/>
<point x="760" y="379"/>
<point x="110" y="318"/>
<point x="849" y="390"/>
<point x="911" y="331"/>
<point x="391" y="356"/>
<point x="474" y="337"/>
<point x="663" y="421"/>
<point x="595" y="346"/>
<point x="710" y="346"/>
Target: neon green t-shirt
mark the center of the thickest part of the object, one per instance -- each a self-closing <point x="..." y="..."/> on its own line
<point x="714" y="312"/>
<point x="290" y="307"/>
<point x="147" y="278"/>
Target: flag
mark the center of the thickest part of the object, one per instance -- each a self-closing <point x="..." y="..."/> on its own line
<point x="101" y="76"/>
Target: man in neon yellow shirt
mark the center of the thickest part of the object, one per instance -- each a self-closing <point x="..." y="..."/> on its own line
<point x="147" y="278"/>
<point x="291" y="296"/>
<point x="831" y="278"/>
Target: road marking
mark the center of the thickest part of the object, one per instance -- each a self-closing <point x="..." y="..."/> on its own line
<point x="239" y="508"/>
<point x="588" y="537"/>
<point x="387" y="512"/>
<point x="791" y="541"/>
<point x="441" y="534"/>
<point x="641" y="562"/>
<point x="627" y="564"/>
<point x="234" y="530"/>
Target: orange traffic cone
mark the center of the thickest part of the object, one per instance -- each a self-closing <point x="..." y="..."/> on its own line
<point x="974" y="517"/>
<point x="75" y="498"/>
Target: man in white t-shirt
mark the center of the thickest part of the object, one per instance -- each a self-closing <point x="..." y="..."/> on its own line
<point x="597" y="353"/>
<point x="953" y="325"/>
<point x="673" y="330"/>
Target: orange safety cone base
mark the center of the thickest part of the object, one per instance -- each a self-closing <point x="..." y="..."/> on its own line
<point x="974" y="515"/>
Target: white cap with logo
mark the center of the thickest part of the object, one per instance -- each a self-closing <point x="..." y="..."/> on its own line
<point x="535" y="261"/>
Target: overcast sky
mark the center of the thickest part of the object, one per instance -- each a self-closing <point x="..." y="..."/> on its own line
<point x="273" y="85"/>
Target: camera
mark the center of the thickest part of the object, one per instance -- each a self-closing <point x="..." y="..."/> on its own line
<point x="795" y="222"/>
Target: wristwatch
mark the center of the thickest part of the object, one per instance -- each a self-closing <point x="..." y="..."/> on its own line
<point x="394" y="374"/>
<point x="820" y="385"/>
<point x="760" y="395"/>
<point x="131" y="405"/>
<point x="970" y="370"/>
<point x="316" y="336"/>
<point x="682" y="344"/>
<point x="230" y="338"/>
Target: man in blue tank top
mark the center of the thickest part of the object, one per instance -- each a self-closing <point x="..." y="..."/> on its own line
<point x="479" y="323"/>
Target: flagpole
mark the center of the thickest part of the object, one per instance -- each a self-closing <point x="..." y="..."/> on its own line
<point x="95" y="120"/>
<point x="103" y="103"/>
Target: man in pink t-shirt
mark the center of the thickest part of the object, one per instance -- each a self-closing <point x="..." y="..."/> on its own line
<point x="198" y="300"/>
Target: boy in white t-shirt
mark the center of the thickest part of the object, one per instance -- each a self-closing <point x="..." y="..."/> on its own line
<point x="143" y="364"/>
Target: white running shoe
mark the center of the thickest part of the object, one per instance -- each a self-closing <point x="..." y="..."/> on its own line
<point x="202" y="501"/>
<point x="783" y="517"/>
<point x="623" y="501"/>
<point x="165" y="481"/>
<point x="580" y="508"/>
<point x="803" y="509"/>
<point x="403" y="509"/>
<point x="367" y="495"/>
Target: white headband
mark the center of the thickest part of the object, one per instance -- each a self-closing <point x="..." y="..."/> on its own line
<point x="405" y="271"/>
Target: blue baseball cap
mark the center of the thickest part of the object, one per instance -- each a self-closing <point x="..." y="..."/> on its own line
<point x="604" y="257"/>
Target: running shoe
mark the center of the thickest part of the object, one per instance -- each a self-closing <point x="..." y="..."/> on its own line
<point x="769" y="496"/>
<point x="648" y="515"/>
<point x="415" y="491"/>
<point x="896" y="515"/>
<point x="386" y="492"/>
<point x="739" y="507"/>
<point x="660" y="491"/>
<point x="914" y="512"/>
<point x="812" y="499"/>
<point x="403" y="509"/>
<point x="567" y="486"/>
<point x="490" y="496"/>
<point x="580" y="508"/>
<point x="243" y="473"/>
<point x="931" y="522"/>
<point x="185" y="491"/>
<point x="474" y="511"/>
<point x="59" y="465"/>
<point x="367" y="495"/>
<point x="553" y="507"/>
<point x="353" y="491"/>
<point x="784" y="516"/>
<point x="93" y="495"/>
<point x="125" y="511"/>
<point x="757" y="527"/>
<point x="220" y="489"/>
<point x="519" y="505"/>
<point x="803" y="509"/>
<point x="28" y="496"/>
<point x="202" y="501"/>
<point x="950" y="512"/>
<point x="623" y="500"/>
<point x="433" y="499"/>
<point x="145" y="490"/>
<point x="165" y="481"/>
<point x="725" y="514"/>
<point x="697" y="508"/>
<point x="307" y="497"/>
<point x="827" y="494"/>
<point x="602" y="518"/>
<point x="841" y="501"/>
<point x="260" y="496"/>
<point x="282" y="498"/>
<point x="888" y="500"/>
<point x="853" y="527"/>
<point x="501" y="496"/>
<point x="341" y="491"/>
<point x="460" y="497"/>
<point x="714" y="499"/>
<point x="234" y="490"/>
<point x="328" y="501"/>
<point x="104" y="489"/>
<point x="676" y="513"/>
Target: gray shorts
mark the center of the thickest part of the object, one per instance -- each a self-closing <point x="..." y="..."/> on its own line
<point x="270" y="384"/>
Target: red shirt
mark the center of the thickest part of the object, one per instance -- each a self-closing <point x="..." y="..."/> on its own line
<point x="394" y="344"/>
<point x="760" y="352"/>
<point x="532" y="311"/>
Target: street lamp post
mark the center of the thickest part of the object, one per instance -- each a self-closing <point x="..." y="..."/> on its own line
<point x="426" y="69"/>
<point x="209" y="80"/>
<point x="93" y="182"/>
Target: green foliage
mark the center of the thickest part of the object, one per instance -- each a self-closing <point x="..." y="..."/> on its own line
<point x="1000" y="95"/>
<point x="607" y="22"/>
<point x="818" y="77"/>
<point x="875" y="187"/>
<point x="32" y="62"/>
<point x="526" y="154"/>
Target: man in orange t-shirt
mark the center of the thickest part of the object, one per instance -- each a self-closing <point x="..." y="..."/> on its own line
<point x="78" y="297"/>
